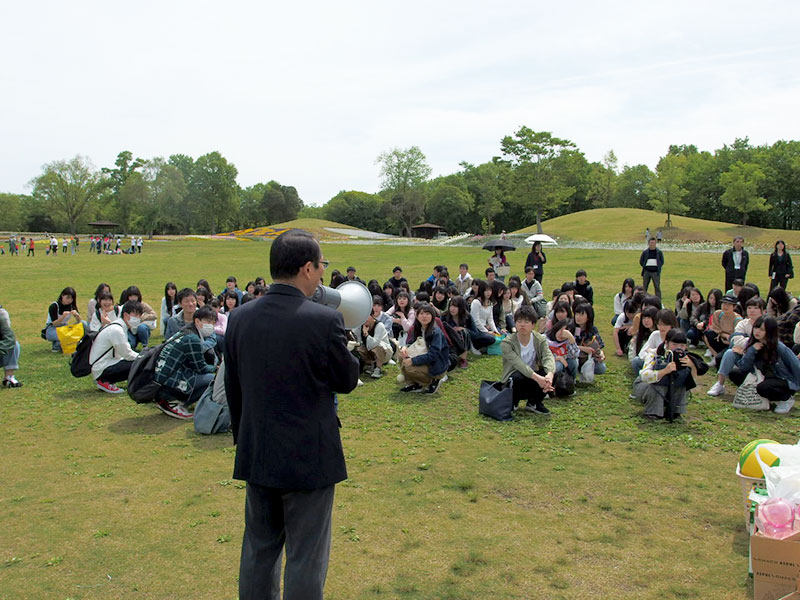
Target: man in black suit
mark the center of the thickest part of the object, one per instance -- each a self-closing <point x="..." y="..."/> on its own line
<point x="285" y="357"/>
<point x="735" y="262"/>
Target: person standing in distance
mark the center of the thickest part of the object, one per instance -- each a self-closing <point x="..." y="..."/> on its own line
<point x="285" y="358"/>
<point x="735" y="261"/>
<point x="652" y="260"/>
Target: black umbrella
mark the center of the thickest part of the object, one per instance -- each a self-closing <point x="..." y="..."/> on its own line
<point x="502" y="244"/>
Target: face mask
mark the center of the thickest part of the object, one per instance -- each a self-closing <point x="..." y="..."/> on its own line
<point x="207" y="329"/>
<point x="133" y="322"/>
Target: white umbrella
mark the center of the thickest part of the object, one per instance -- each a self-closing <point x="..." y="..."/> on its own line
<point x="541" y="237"/>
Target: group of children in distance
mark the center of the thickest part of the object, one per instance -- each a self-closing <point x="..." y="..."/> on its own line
<point x="545" y="346"/>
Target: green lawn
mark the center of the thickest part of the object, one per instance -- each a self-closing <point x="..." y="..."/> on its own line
<point x="102" y="498"/>
<point x="628" y="225"/>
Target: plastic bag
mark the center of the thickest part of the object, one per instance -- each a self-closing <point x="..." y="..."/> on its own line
<point x="69" y="336"/>
<point x="783" y="481"/>
<point x="586" y="374"/>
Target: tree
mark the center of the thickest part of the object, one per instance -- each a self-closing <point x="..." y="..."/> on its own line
<point x="741" y="189"/>
<point x="629" y="191"/>
<point x="403" y="170"/>
<point x="213" y="186"/>
<point x="485" y="183"/>
<point x="12" y="209"/>
<point x="603" y="181"/>
<point x="126" y="166"/>
<point x="357" y="209"/>
<point x="403" y="173"/>
<point x="69" y="188"/>
<point x="130" y="198"/>
<point x="280" y="203"/>
<point x="665" y="190"/>
<point x="166" y="191"/>
<point x="535" y="184"/>
<point x="450" y="207"/>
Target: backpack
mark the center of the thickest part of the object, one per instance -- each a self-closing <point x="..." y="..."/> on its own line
<point x="142" y="386"/>
<point x="79" y="364"/>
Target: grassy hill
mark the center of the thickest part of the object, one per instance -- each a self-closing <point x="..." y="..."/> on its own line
<point x="628" y="225"/>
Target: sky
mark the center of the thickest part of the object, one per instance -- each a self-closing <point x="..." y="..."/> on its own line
<point x="310" y="93"/>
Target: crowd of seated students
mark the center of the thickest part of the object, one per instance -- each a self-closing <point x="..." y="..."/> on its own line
<point x="429" y="331"/>
<point x="730" y="325"/>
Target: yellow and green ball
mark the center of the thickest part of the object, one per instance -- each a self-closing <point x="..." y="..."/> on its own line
<point x="748" y="464"/>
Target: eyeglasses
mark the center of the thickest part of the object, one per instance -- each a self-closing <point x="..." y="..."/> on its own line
<point x="324" y="264"/>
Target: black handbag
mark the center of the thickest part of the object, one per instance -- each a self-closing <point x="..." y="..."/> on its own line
<point x="563" y="384"/>
<point x="496" y="400"/>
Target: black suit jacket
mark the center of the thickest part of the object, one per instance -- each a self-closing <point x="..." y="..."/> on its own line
<point x="285" y="356"/>
<point x="727" y="261"/>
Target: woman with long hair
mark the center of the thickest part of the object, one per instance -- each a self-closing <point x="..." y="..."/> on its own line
<point x="403" y="315"/>
<point x="459" y="320"/>
<point x="780" y="266"/>
<point x="643" y="330"/>
<point x="689" y="314"/>
<point x="621" y="297"/>
<point x="428" y="369"/>
<point x="588" y="339"/>
<point x="169" y="307"/>
<point x="59" y="313"/>
<point x="778" y="364"/>
<point x="536" y="259"/>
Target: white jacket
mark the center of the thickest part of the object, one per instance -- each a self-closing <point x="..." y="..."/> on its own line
<point x="110" y="346"/>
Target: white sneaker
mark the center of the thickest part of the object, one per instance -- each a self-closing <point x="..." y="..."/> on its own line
<point x="391" y="362"/>
<point x="781" y="408"/>
<point x="360" y="383"/>
<point x="474" y="351"/>
<point x="707" y="354"/>
<point x="717" y="389"/>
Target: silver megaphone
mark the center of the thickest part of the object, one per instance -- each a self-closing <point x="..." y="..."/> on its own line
<point x="351" y="298"/>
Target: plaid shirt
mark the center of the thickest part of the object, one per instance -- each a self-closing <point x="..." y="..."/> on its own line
<point x="786" y="324"/>
<point x="180" y="361"/>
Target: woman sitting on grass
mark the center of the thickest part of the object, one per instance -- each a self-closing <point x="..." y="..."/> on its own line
<point x="561" y="342"/>
<point x="623" y="328"/>
<point x="460" y="321"/>
<point x="780" y="367"/>
<point x="142" y="334"/>
<point x="723" y="324"/>
<point x="425" y="371"/>
<point x="59" y="313"/>
<point x="648" y="325"/>
<point x="689" y="315"/>
<point x="481" y="310"/>
<point x="528" y="363"/>
<point x="779" y="302"/>
<point x="169" y="306"/>
<point x="588" y="339"/>
<point x="668" y="374"/>
<point x="104" y="313"/>
<point x="562" y="311"/>
<point x="620" y="298"/>
<point x="103" y="287"/>
<point x="402" y="314"/>
<point x="730" y="358"/>
<point x="440" y="299"/>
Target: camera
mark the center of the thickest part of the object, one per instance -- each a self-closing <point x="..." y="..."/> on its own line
<point x="677" y="355"/>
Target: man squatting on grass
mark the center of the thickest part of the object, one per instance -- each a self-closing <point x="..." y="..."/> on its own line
<point x="285" y="359"/>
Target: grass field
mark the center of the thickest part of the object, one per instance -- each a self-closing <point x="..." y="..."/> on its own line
<point x="628" y="225"/>
<point x="102" y="498"/>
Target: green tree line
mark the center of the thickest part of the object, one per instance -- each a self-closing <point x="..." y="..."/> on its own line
<point x="177" y="195"/>
<point x="535" y="176"/>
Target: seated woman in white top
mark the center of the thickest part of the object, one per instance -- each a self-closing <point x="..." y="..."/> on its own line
<point x="104" y="313"/>
<point x="403" y="315"/>
<point x="481" y="309"/>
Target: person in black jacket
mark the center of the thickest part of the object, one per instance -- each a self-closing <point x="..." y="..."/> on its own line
<point x="286" y="357"/>
<point x="652" y="260"/>
<point x="780" y="266"/>
<point x="583" y="287"/>
<point x="536" y="259"/>
<point x="735" y="261"/>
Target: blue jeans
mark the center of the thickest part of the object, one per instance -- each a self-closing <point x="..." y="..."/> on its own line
<point x="729" y="360"/>
<point x="636" y="364"/>
<point x="572" y="366"/>
<point x="11" y="360"/>
<point x="142" y="336"/>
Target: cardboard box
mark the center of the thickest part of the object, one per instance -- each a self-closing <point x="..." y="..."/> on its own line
<point x="776" y="566"/>
<point x="794" y="595"/>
